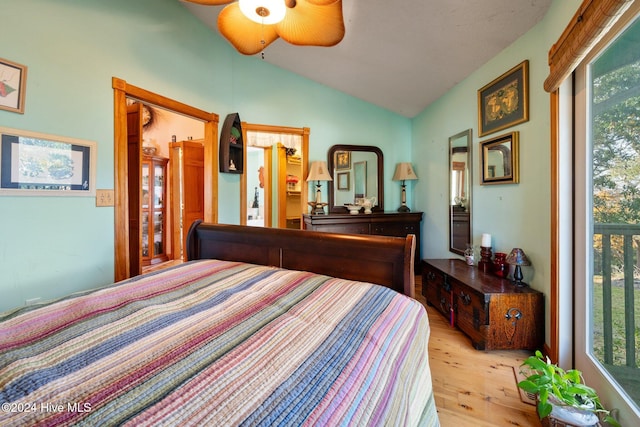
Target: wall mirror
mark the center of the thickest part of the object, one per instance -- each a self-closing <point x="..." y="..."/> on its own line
<point x="460" y="192"/>
<point x="499" y="160"/>
<point x="357" y="171"/>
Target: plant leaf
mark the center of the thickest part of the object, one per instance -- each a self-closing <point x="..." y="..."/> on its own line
<point x="544" y="409"/>
<point x="529" y="386"/>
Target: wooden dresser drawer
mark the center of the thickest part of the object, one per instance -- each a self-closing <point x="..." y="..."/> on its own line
<point x="437" y="290"/>
<point x="471" y="313"/>
<point x="394" y="229"/>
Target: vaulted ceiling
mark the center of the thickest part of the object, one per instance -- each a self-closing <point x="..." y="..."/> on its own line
<point x="404" y="55"/>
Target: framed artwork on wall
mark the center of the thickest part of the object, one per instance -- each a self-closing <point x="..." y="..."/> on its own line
<point x="36" y="164"/>
<point x="343" y="160"/>
<point x="500" y="162"/>
<point x="13" y="84"/>
<point x="343" y="181"/>
<point x="505" y="101"/>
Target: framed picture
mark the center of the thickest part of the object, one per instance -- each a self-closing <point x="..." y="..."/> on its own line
<point x="343" y="160"/>
<point x="13" y="83"/>
<point x="36" y="164"/>
<point x="500" y="160"/>
<point x="505" y="101"/>
<point x="343" y="181"/>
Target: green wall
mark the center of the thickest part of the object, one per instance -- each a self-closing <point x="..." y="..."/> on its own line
<point x="516" y="215"/>
<point x="51" y="246"/>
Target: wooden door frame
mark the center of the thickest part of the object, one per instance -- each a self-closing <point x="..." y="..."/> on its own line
<point x="121" y="91"/>
<point x="304" y="133"/>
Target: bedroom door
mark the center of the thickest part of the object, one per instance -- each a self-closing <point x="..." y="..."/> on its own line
<point x="187" y="191"/>
<point x="134" y="172"/>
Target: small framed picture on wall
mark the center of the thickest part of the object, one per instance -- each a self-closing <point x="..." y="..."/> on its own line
<point x="13" y="84"/>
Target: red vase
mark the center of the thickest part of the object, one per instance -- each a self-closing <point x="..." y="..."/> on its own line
<point x="500" y="266"/>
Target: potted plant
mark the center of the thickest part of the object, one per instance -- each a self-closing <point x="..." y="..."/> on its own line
<point x="562" y="394"/>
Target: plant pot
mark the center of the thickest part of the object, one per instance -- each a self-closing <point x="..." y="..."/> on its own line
<point x="569" y="416"/>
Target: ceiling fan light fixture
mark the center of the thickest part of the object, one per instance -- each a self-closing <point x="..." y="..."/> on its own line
<point x="263" y="11"/>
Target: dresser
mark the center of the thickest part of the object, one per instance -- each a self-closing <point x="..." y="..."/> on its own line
<point x="491" y="311"/>
<point x="397" y="224"/>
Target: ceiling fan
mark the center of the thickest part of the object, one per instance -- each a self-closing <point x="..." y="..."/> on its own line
<point x="252" y="25"/>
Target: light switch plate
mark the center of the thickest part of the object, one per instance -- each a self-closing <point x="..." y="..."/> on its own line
<point x="104" y="198"/>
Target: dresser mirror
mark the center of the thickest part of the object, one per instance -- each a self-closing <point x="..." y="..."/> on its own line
<point x="357" y="172"/>
<point x="460" y="192"/>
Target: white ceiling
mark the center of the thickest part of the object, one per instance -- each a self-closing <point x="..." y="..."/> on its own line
<point x="404" y="55"/>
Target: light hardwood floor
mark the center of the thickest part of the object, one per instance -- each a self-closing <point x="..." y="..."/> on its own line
<point x="471" y="387"/>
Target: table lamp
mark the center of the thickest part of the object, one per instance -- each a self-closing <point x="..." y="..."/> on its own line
<point x="318" y="172"/>
<point x="518" y="258"/>
<point x="404" y="171"/>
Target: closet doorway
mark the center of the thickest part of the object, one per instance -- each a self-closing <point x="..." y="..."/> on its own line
<point x="282" y="193"/>
<point x="127" y="157"/>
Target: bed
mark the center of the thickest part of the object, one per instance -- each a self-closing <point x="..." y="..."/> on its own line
<point x="249" y="331"/>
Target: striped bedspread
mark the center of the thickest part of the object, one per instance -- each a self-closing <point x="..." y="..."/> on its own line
<point x="219" y="343"/>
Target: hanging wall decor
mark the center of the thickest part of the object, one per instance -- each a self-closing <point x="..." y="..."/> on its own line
<point x="505" y="101"/>
<point x="37" y="164"/>
<point x="13" y="84"/>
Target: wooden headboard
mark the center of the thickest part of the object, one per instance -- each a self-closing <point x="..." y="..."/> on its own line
<point x="383" y="260"/>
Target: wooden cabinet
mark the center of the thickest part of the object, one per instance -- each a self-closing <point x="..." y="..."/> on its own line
<point x="491" y="311"/>
<point x="397" y="224"/>
<point x="153" y="210"/>
<point x="231" y="145"/>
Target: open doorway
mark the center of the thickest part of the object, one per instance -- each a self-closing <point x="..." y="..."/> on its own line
<point x="170" y="190"/>
<point x="258" y="184"/>
<point x="284" y="192"/>
<point x="127" y="149"/>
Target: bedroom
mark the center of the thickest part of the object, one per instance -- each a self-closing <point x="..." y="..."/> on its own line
<point x="74" y="48"/>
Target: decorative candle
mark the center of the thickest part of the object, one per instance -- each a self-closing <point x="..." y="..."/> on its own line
<point x="486" y="240"/>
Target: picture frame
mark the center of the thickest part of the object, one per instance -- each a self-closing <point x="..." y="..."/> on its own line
<point x="13" y="84"/>
<point x="500" y="162"/>
<point x="37" y="164"/>
<point x="504" y="102"/>
<point x="343" y="160"/>
<point x="343" y="181"/>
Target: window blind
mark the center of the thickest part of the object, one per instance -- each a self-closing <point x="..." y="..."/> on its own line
<point x="588" y="25"/>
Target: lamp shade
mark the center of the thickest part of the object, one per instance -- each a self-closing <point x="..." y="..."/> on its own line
<point x="404" y="171"/>
<point x="263" y="11"/>
<point x="517" y="257"/>
<point x="319" y="172"/>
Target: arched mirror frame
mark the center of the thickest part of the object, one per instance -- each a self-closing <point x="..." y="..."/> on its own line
<point x="460" y="206"/>
<point x="380" y="178"/>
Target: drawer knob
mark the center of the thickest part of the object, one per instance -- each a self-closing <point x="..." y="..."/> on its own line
<point x="431" y="276"/>
<point x="466" y="298"/>
<point x="513" y="313"/>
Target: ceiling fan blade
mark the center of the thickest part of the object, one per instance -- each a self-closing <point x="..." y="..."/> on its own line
<point x="209" y="2"/>
<point x="308" y="24"/>
<point x="244" y="34"/>
<point x="322" y="2"/>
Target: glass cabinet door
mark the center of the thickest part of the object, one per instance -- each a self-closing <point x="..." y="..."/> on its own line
<point x="145" y="186"/>
<point x="158" y="186"/>
<point x="145" y="233"/>
<point x="153" y="215"/>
